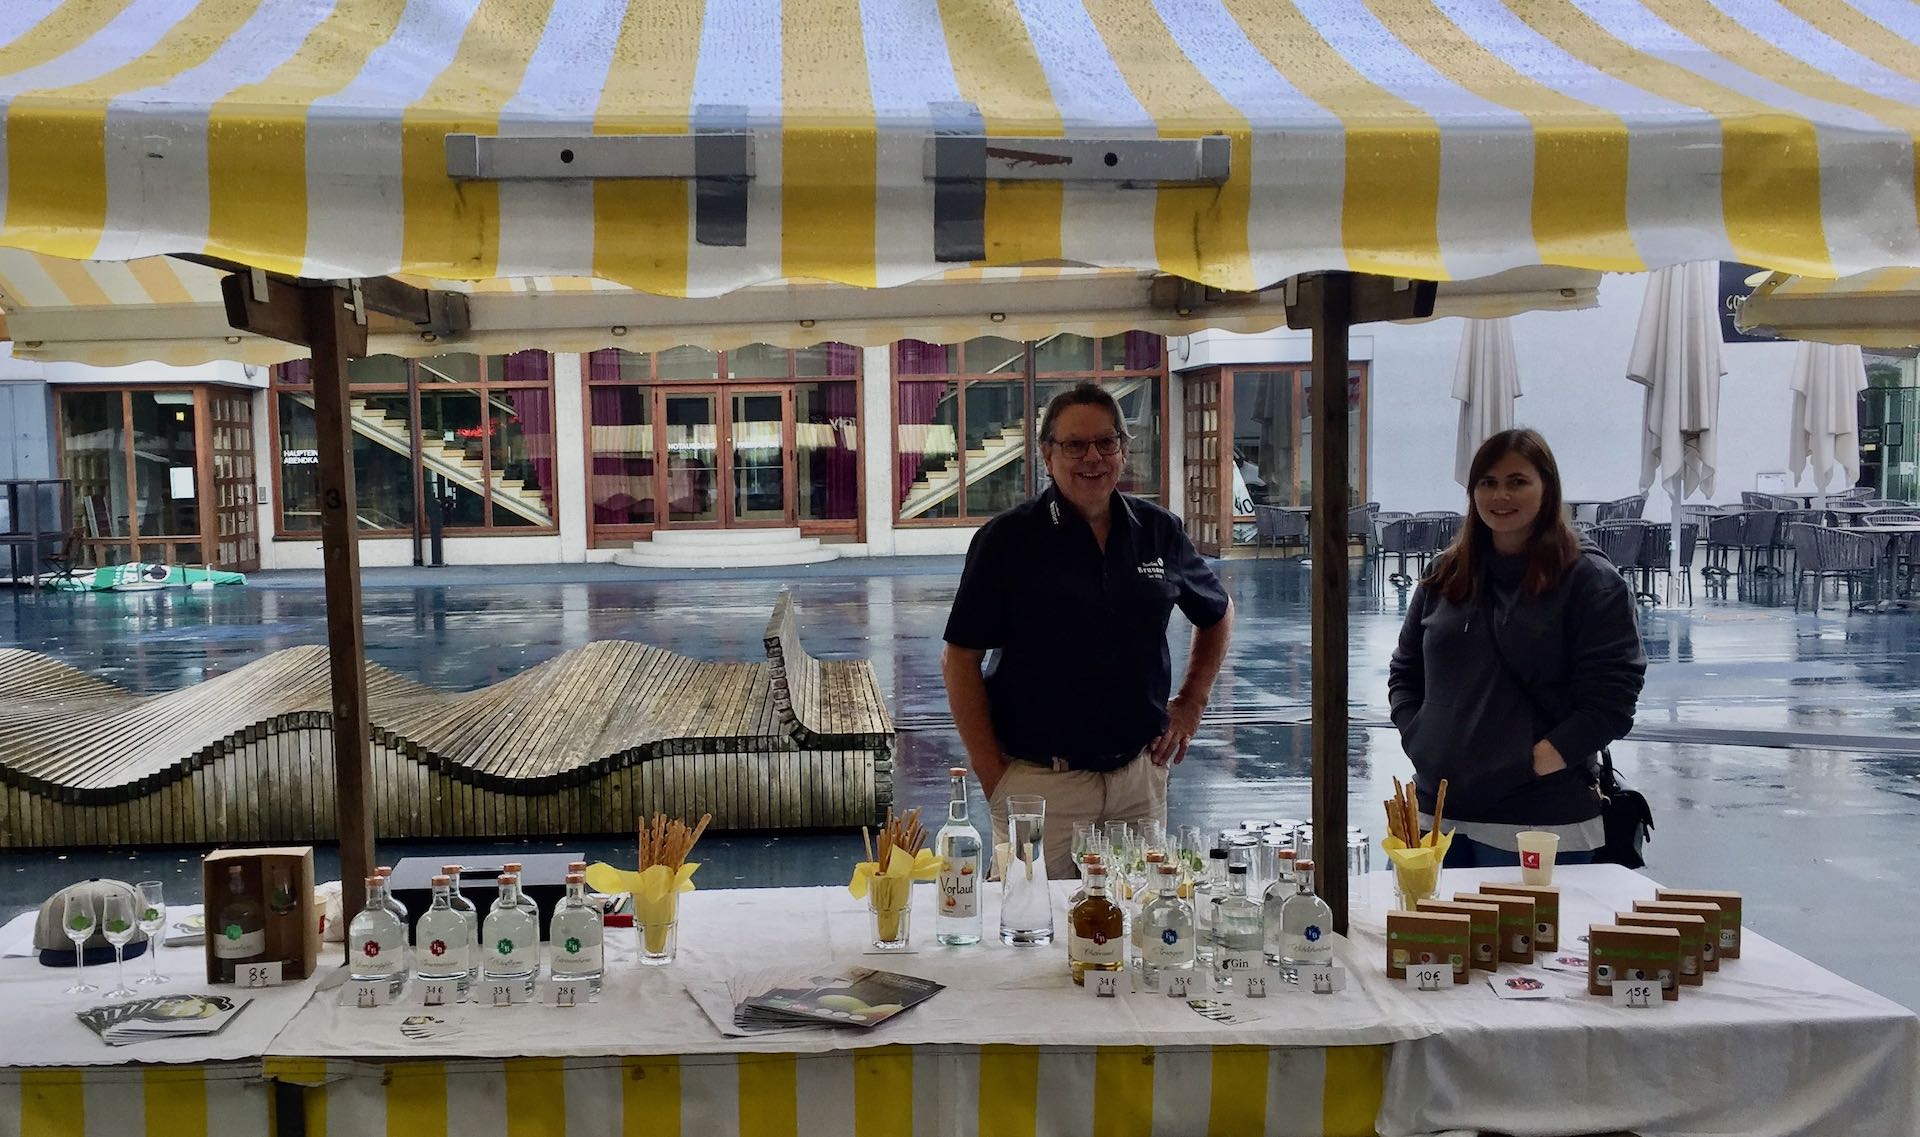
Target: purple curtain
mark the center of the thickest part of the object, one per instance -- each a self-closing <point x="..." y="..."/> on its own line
<point x="297" y="371"/>
<point x="843" y="359"/>
<point x="534" y="409"/>
<point x="617" y="472"/>
<point x="913" y="357"/>
<point x="527" y="367"/>
<point x="843" y="461"/>
<point x="1143" y="351"/>
<point x="603" y="365"/>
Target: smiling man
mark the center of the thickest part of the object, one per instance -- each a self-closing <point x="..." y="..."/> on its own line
<point x="1065" y="601"/>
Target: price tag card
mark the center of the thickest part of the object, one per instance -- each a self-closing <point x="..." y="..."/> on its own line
<point x="506" y="994"/>
<point x="1323" y="980"/>
<point x="439" y="992"/>
<point x="1429" y="976"/>
<point x="1640" y="994"/>
<point x="259" y="974"/>
<point x="571" y="993"/>
<point x="1103" y="984"/>
<point x="1256" y="985"/>
<point x="375" y="994"/>
<point x="1176" y="986"/>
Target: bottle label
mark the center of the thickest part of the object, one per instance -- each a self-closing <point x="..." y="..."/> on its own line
<point x="1167" y="948"/>
<point x="375" y="958"/>
<point x="1097" y="948"/>
<point x="959" y="894"/>
<point x="574" y="953"/>
<point x="507" y="957"/>
<point x="236" y="944"/>
<point x="1310" y="946"/>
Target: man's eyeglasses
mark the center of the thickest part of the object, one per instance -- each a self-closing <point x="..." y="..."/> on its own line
<point x="1107" y="446"/>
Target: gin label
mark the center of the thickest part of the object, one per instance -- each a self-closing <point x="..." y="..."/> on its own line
<point x="261" y="974"/>
<point x="1640" y="994"/>
<point x="1428" y="976"/>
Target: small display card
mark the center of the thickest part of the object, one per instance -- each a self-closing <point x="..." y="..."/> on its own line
<point x="1323" y="980"/>
<point x="1640" y="994"/>
<point x="377" y="993"/>
<point x="506" y="994"/>
<point x="439" y="992"/>
<point x="259" y="974"/>
<point x="1429" y="976"/>
<point x="1572" y="962"/>
<point x="1256" y="985"/>
<point x="1176" y="986"/>
<point x="1103" y="984"/>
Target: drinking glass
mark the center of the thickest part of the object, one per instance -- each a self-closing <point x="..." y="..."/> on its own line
<point x="77" y="921"/>
<point x="1192" y="854"/>
<point x="117" y="920"/>
<point x="1026" y="901"/>
<point x="153" y="921"/>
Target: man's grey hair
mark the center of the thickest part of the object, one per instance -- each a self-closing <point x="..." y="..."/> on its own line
<point x="1083" y="395"/>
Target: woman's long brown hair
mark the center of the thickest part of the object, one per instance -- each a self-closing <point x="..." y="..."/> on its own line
<point x="1552" y="546"/>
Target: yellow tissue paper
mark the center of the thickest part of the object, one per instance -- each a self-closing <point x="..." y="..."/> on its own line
<point x="656" y="895"/>
<point x="1416" y="870"/>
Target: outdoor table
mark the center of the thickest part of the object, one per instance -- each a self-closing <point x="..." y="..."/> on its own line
<point x="1590" y="505"/>
<point x="1771" y="1044"/>
<point x="57" y="1077"/>
<point x="1889" y="535"/>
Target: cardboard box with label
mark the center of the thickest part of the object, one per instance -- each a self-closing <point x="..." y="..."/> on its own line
<point x="1484" y="925"/>
<point x="1710" y="952"/>
<point x="1729" y="904"/>
<point x="1693" y="938"/>
<point x="1546" y="910"/>
<point x="259" y="910"/>
<point x="1415" y="938"/>
<point x="1617" y="954"/>
<point x="1517" y="919"/>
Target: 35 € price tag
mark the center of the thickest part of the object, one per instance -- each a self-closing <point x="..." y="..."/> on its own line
<point x="1428" y="976"/>
<point x="375" y="994"/>
<point x="1103" y="984"/>
<point x="1256" y="986"/>
<point x="261" y="974"/>
<point x="506" y="994"/>
<point x="1639" y="994"/>
<point x="1324" y="980"/>
<point x="1176" y="986"/>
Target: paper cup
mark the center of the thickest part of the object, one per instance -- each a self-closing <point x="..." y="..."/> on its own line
<point x="1537" y="851"/>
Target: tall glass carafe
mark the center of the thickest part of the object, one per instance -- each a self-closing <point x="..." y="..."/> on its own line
<point x="1026" y="902"/>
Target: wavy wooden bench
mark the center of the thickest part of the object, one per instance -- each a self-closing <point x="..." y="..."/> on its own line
<point x="583" y="743"/>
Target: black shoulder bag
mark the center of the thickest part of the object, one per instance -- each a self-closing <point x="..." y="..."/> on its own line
<point x="1623" y="810"/>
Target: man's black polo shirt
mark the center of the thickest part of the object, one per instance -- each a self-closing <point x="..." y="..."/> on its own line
<point x="1082" y="668"/>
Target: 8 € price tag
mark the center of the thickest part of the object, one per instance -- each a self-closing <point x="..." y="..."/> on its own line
<point x="260" y="974"/>
<point x="1428" y="976"/>
<point x="1640" y="994"/>
<point x="1103" y="984"/>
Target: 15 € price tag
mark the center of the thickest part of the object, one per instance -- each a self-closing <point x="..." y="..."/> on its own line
<point x="260" y="974"/>
<point x="1428" y="976"/>
<point x="1639" y="994"/>
<point x="1323" y="980"/>
<point x="1103" y="984"/>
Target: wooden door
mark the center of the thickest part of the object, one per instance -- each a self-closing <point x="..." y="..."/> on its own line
<point x="1206" y="397"/>
<point x="232" y="542"/>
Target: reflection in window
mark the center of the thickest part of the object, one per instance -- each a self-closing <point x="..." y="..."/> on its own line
<point x="94" y="459"/>
<point x="382" y="475"/>
<point x="928" y="449"/>
<point x="826" y="445"/>
<point x="622" y="474"/>
<point x="996" y="446"/>
<point x="1062" y="353"/>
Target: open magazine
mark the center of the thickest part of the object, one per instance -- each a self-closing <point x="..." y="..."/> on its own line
<point x="850" y="996"/>
<point x="163" y="1016"/>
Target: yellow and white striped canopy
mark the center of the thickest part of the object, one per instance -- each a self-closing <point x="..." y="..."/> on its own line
<point x="1872" y="309"/>
<point x="1430" y="138"/>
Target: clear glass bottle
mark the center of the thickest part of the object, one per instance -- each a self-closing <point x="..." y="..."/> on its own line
<point x="1168" y="943"/>
<point x="385" y="873"/>
<point x="1207" y="892"/>
<point x="240" y="934"/>
<point x="458" y="901"/>
<point x="958" y="844"/>
<point x="1146" y="891"/>
<point x="443" y="939"/>
<point x="1237" y="931"/>
<point x="377" y="941"/>
<point x="527" y="903"/>
<point x="1097" y="939"/>
<point x="281" y="900"/>
<point x="577" y="936"/>
<point x="509" y="939"/>
<point x="1305" y="923"/>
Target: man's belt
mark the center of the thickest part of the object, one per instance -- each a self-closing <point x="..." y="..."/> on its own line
<point x="1094" y="764"/>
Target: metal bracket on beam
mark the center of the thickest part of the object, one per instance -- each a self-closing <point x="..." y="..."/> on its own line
<point x="1370" y="299"/>
<point x="709" y="154"/>
<point x="1113" y="162"/>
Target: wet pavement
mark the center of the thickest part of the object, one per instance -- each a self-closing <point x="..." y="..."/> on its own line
<point x="1780" y="750"/>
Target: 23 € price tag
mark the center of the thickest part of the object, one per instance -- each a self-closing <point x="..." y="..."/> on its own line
<point x="1640" y="994"/>
<point x="260" y="974"/>
<point x="375" y="994"/>
<point x="1428" y="976"/>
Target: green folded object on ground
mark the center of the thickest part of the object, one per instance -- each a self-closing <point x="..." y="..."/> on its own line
<point x="142" y="575"/>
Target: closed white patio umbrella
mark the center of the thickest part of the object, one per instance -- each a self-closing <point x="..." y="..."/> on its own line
<point x="1676" y="357"/>
<point x="1486" y="380"/>
<point x="1825" y="428"/>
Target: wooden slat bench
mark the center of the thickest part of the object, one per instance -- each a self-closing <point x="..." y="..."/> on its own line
<point x="583" y="743"/>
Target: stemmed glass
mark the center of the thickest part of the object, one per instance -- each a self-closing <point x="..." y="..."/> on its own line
<point x="77" y="921"/>
<point x="153" y="921"/>
<point x="1120" y="841"/>
<point x="117" y="917"/>
<point x="1192" y="854"/>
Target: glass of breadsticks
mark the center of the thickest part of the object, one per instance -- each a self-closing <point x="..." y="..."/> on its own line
<point x="665" y="873"/>
<point x="1416" y="856"/>
<point x="890" y="890"/>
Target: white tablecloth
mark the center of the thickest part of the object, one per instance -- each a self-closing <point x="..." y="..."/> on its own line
<point x="1771" y="1046"/>
<point x="995" y="994"/>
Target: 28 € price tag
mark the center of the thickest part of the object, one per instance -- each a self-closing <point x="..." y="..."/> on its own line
<point x="1640" y="994"/>
<point x="1428" y="976"/>
<point x="261" y="974"/>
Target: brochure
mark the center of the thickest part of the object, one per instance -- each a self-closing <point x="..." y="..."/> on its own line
<point x="164" y="1016"/>
<point x="848" y="996"/>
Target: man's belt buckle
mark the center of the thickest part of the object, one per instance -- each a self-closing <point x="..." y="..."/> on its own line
<point x="1061" y="766"/>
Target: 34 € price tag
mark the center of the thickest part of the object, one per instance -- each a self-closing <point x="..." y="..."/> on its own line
<point x="1428" y="976"/>
<point x="438" y="992"/>
<point x="1103" y="984"/>
<point x="260" y="974"/>
<point x="1323" y="980"/>
<point x="1640" y="994"/>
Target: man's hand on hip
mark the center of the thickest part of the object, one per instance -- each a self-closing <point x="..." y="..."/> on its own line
<point x="1183" y="721"/>
<point x="990" y="771"/>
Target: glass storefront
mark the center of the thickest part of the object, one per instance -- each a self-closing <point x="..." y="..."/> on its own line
<point x="759" y="436"/>
<point x="990" y="394"/>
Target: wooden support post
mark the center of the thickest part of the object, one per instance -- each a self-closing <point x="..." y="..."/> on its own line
<point x="1327" y="299"/>
<point x="331" y="333"/>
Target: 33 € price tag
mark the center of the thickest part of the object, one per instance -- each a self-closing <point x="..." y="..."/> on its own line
<point x="1428" y="976"/>
<point x="260" y="974"/>
<point x="506" y="994"/>
<point x="1640" y="994"/>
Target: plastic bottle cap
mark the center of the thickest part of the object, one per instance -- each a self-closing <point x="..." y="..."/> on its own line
<point x="1303" y="866"/>
<point x="1168" y="870"/>
<point x="512" y="866"/>
<point x="576" y="878"/>
<point x="507" y="878"/>
<point x="1096" y="870"/>
<point x="374" y="882"/>
<point x="383" y="870"/>
<point x="450" y="870"/>
<point x="441" y="881"/>
<point x="956" y="771"/>
<point x="1155" y="856"/>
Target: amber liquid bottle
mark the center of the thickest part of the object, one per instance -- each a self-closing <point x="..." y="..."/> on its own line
<point x="1098" y="930"/>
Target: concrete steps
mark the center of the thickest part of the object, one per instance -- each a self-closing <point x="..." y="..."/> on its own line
<point x="725" y="548"/>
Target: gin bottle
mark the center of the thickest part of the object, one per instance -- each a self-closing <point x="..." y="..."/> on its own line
<point x="510" y="939"/>
<point x="377" y="941"/>
<point x="459" y="903"/>
<point x="1305" y="921"/>
<point x="577" y="936"/>
<point x="443" y="939"/>
<point x="527" y="903"/>
<point x="958" y="843"/>
<point x="1147" y="891"/>
<point x="1236" y="930"/>
<point x="1208" y="889"/>
<point x="1167" y="939"/>
<point x="1098" y="930"/>
<point x="399" y="910"/>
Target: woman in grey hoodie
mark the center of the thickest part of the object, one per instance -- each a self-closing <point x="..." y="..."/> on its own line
<point x="1519" y="660"/>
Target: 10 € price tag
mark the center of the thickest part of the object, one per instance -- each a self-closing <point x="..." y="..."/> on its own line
<point x="1639" y="994"/>
<point x="1103" y="984"/>
<point x="260" y="974"/>
<point x="1428" y="976"/>
<point x="1323" y="980"/>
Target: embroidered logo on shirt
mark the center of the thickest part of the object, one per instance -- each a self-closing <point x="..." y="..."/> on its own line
<point x="1053" y="507"/>
<point x="1155" y="569"/>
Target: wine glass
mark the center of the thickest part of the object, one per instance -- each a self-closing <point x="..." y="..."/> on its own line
<point x="117" y="920"/>
<point x="153" y="921"/>
<point x="77" y="921"/>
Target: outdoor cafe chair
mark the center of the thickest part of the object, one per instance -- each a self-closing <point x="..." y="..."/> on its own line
<point x="1656" y="553"/>
<point x="1406" y="537"/>
<point x="1786" y="519"/>
<point x="1620" y="541"/>
<point x="1822" y="551"/>
<point x="1887" y="503"/>
<point x="1622" y="509"/>
<point x="1725" y="534"/>
<point x="1360" y="524"/>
